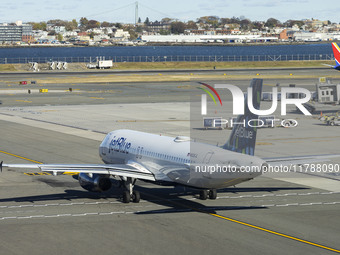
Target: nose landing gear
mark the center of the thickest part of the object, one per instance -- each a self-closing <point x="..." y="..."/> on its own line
<point x="130" y="195"/>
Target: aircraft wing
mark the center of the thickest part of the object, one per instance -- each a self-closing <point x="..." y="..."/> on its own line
<point x="124" y="170"/>
<point x="298" y="160"/>
<point x="328" y="65"/>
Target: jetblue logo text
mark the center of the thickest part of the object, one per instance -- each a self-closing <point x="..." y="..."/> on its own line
<point x="119" y="144"/>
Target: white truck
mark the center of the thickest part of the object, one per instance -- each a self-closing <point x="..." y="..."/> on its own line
<point x="104" y="64"/>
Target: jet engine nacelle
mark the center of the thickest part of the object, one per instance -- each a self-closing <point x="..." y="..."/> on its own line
<point x="94" y="183"/>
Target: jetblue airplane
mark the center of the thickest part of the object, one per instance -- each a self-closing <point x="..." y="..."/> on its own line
<point x="130" y="155"/>
<point x="336" y="53"/>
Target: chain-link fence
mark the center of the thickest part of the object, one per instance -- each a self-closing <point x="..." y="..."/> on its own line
<point x="180" y="58"/>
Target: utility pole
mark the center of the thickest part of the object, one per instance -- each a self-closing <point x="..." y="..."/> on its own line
<point x="136" y="13"/>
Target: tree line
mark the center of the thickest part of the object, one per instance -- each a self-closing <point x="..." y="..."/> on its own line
<point x="176" y="26"/>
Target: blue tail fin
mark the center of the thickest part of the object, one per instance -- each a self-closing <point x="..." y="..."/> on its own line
<point x="243" y="137"/>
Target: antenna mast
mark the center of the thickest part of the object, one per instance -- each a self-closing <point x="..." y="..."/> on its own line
<point x="136" y="13"/>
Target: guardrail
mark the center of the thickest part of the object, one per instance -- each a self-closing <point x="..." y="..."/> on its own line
<point x="180" y="58"/>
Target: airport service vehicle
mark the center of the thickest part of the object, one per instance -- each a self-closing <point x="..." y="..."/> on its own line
<point x="333" y="121"/>
<point x="103" y="64"/>
<point x="130" y="155"/>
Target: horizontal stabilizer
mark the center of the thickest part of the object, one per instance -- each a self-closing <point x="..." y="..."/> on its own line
<point x="286" y="161"/>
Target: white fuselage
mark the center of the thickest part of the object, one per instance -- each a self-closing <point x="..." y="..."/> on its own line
<point x="179" y="160"/>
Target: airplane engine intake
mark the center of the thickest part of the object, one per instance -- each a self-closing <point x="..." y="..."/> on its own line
<point x="96" y="183"/>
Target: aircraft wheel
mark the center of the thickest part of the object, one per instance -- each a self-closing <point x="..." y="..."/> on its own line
<point x="136" y="196"/>
<point x="126" y="197"/>
<point x="212" y="194"/>
<point x="203" y="194"/>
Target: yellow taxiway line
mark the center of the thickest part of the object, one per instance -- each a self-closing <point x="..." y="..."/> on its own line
<point x="248" y="225"/>
<point x="33" y="161"/>
<point x="17" y="156"/>
<point x="274" y="232"/>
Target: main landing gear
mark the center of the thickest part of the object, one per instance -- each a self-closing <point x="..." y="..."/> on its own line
<point x="130" y="195"/>
<point x="211" y="193"/>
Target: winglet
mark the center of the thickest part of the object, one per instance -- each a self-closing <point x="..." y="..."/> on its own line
<point x="1" y="166"/>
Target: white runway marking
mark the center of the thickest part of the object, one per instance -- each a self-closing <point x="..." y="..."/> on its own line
<point x="166" y="210"/>
<point x="175" y="199"/>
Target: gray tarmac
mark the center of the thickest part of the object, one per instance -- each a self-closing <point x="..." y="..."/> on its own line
<point x="42" y="214"/>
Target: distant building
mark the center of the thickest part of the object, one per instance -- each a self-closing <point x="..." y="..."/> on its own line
<point x="40" y="34"/>
<point x="314" y="37"/>
<point x="315" y="23"/>
<point x="206" y="38"/>
<point x="59" y="29"/>
<point x="27" y="33"/>
<point x="157" y="26"/>
<point x="283" y="35"/>
<point x="68" y="34"/>
<point x="123" y="35"/>
<point x="207" y="32"/>
<point x="98" y="38"/>
<point x="327" y="92"/>
<point x="84" y="38"/>
<point x="15" y="33"/>
<point x="10" y="33"/>
<point x="82" y="34"/>
<point x="307" y="36"/>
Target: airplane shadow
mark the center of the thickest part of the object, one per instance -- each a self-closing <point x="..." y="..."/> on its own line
<point x="177" y="204"/>
<point x="321" y="124"/>
<point x="169" y="197"/>
<point x="68" y="195"/>
<point x="260" y="189"/>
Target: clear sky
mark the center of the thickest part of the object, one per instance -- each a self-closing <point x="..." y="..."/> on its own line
<point x="124" y="10"/>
